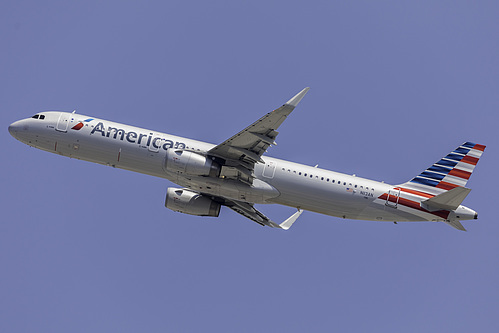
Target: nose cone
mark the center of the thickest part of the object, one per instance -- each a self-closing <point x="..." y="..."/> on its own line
<point x="14" y="128"/>
<point x="19" y="129"/>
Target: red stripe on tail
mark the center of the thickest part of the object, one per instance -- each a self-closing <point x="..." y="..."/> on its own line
<point x="470" y="160"/>
<point x="421" y="194"/>
<point x="446" y="186"/>
<point x="479" y="147"/>
<point x="460" y="173"/>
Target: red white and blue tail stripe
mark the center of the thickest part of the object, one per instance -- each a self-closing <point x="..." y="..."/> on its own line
<point x="452" y="171"/>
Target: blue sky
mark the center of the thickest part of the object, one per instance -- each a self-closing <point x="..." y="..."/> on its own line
<point x="394" y="87"/>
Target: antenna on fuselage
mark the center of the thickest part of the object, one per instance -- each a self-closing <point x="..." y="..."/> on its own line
<point x="74" y="111"/>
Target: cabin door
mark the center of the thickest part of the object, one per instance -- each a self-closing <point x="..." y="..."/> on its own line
<point x="62" y="123"/>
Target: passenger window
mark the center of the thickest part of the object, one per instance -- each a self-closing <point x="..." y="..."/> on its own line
<point x="311" y="176"/>
<point x="305" y="175"/>
<point x="355" y="186"/>
<point x="344" y="183"/>
<point x="322" y="178"/>
<point x="299" y="173"/>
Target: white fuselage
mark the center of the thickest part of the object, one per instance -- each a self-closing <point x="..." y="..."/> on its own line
<point x="276" y="181"/>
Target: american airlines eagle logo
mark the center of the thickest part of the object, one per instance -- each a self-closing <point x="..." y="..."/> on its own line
<point x="80" y="124"/>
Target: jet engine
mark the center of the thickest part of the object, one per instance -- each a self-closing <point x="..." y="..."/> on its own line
<point x="188" y="202"/>
<point x="191" y="163"/>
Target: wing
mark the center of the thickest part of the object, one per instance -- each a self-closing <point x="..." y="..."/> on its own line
<point x="247" y="210"/>
<point x="243" y="150"/>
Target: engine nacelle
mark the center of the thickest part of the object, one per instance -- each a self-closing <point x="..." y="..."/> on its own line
<point x="188" y="202"/>
<point x="188" y="162"/>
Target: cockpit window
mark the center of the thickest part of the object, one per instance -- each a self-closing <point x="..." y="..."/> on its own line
<point x="42" y="116"/>
<point x="35" y="116"/>
<point x="39" y="116"/>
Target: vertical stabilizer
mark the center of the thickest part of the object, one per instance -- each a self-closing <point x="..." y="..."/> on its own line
<point x="450" y="172"/>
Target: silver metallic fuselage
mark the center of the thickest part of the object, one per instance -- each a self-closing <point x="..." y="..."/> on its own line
<point x="276" y="181"/>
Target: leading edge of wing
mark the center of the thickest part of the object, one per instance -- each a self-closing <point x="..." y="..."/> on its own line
<point x="250" y="143"/>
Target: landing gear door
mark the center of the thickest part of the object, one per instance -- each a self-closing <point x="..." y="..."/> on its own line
<point x="393" y="198"/>
<point x="62" y="123"/>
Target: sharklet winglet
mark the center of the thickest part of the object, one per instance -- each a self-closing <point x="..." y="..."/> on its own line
<point x="297" y="98"/>
<point x="289" y="222"/>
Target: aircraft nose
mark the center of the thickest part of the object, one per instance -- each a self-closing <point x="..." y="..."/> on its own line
<point x="14" y="128"/>
<point x="18" y="128"/>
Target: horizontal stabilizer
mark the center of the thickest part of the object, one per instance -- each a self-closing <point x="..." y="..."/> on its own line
<point x="456" y="225"/>
<point x="449" y="200"/>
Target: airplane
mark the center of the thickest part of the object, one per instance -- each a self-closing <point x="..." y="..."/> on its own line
<point x="237" y="175"/>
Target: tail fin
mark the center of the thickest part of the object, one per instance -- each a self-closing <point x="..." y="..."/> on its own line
<point x="450" y="172"/>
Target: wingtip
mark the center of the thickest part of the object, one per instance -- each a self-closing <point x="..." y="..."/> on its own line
<point x="297" y="98"/>
<point x="289" y="222"/>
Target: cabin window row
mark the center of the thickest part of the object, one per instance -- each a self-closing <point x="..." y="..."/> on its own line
<point x="333" y="181"/>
